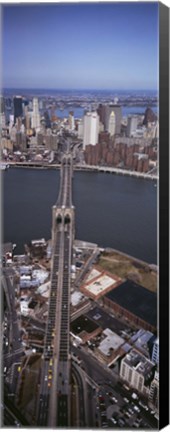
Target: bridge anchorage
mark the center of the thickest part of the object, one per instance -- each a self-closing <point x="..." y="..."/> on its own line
<point x="55" y="393"/>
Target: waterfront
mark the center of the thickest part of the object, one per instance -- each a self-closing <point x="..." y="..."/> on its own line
<point x="111" y="210"/>
<point x="126" y="110"/>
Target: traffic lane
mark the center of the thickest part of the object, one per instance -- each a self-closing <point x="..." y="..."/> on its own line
<point x="62" y="416"/>
<point x="94" y="369"/>
<point x="14" y="336"/>
<point x="81" y="397"/>
<point x="89" y="390"/>
<point x="44" y="395"/>
<point x="15" y="411"/>
<point x="8" y="419"/>
<point x="91" y="398"/>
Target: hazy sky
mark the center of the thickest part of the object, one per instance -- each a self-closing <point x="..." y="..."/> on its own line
<point x="74" y="46"/>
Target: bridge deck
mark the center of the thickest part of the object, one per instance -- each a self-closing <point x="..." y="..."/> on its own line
<point x="54" y="403"/>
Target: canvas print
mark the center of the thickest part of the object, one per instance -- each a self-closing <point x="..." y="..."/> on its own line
<point x="79" y="115"/>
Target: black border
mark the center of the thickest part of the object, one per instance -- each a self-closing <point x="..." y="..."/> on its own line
<point x="164" y="214"/>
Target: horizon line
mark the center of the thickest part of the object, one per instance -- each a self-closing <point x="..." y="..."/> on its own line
<point x="76" y="89"/>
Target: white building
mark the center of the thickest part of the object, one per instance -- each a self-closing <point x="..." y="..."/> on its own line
<point x="111" y="342"/>
<point x="132" y="125"/>
<point x="11" y="121"/>
<point x="137" y="370"/>
<point x="91" y="129"/>
<point x="80" y="129"/>
<point x="13" y="132"/>
<point x="154" y="392"/>
<point x="155" y="352"/>
<point x="24" y="309"/>
<point x="71" y="121"/>
<point x="156" y="130"/>
<point x="112" y="124"/>
<point x="35" y="120"/>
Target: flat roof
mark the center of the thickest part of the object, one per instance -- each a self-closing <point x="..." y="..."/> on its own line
<point x="139" y="362"/>
<point x="93" y="274"/>
<point x="105" y="320"/>
<point x="137" y="300"/>
<point x="111" y="341"/>
<point x="83" y="323"/>
<point x="101" y="284"/>
<point x="76" y="298"/>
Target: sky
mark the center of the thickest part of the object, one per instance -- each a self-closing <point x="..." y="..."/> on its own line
<point x="80" y="46"/>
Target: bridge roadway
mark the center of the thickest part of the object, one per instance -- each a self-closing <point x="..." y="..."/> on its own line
<point x="120" y="171"/>
<point x="54" y="401"/>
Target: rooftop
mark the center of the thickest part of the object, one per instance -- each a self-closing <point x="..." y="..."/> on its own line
<point x="111" y="342"/>
<point x="137" y="300"/>
<point x="76" y="298"/>
<point x="139" y="363"/>
<point x="83" y="323"/>
<point x="143" y="340"/>
<point x="99" y="282"/>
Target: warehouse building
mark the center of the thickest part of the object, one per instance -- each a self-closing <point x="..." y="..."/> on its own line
<point x="134" y="302"/>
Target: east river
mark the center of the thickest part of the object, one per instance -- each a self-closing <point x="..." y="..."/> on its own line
<point x="111" y="210"/>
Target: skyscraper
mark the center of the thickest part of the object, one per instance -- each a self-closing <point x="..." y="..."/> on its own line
<point x="118" y="117"/>
<point x="155" y="352"/>
<point x="17" y="107"/>
<point x="112" y="124"/>
<point x="71" y="120"/>
<point x="35" y="121"/>
<point x="2" y="105"/>
<point x="154" y="392"/>
<point x="91" y="128"/>
<point x="104" y="112"/>
<point x="2" y="120"/>
<point x="131" y="125"/>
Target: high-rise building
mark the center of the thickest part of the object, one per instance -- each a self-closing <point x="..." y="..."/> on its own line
<point x="104" y="112"/>
<point x="149" y="117"/>
<point x="131" y="125"/>
<point x="47" y="119"/>
<point x="35" y="121"/>
<point x="137" y="370"/>
<point x="18" y="123"/>
<point x="2" y="120"/>
<point x="8" y="103"/>
<point x="11" y="120"/>
<point x="21" y="141"/>
<point x="80" y="128"/>
<point x="13" y="132"/>
<point x="2" y="104"/>
<point x="118" y="117"/>
<point x="112" y="124"/>
<point x="17" y="107"/>
<point x="40" y="139"/>
<point x="155" y="352"/>
<point x="101" y="113"/>
<point x="71" y="120"/>
<point x="91" y="128"/>
<point x="154" y="392"/>
<point x="156" y="135"/>
<point x="27" y="115"/>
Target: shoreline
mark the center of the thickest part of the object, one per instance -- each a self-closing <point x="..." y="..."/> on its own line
<point x="85" y="244"/>
<point x="86" y="168"/>
<point x="124" y="254"/>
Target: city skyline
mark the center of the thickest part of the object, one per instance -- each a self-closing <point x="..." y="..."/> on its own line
<point x="85" y="46"/>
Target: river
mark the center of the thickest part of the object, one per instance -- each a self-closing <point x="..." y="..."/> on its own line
<point x="111" y="210"/>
